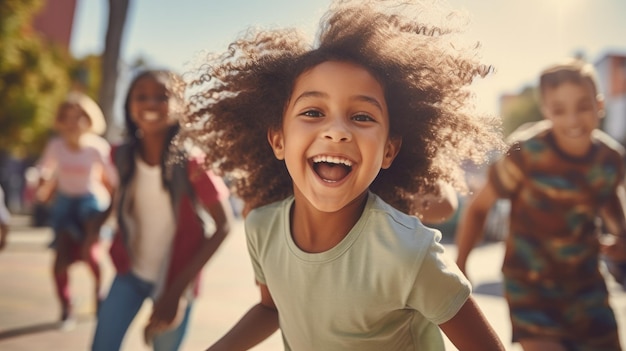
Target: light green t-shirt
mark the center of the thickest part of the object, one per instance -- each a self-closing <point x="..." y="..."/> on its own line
<point x="385" y="286"/>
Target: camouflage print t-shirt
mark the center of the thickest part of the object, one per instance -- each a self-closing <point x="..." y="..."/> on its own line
<point x="554" y="204"/>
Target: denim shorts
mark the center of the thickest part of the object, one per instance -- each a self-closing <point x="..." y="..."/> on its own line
<point x="69" y="214"/>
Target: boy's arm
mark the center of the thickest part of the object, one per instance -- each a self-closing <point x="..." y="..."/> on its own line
<point x="612" y="212"/>
<point x="259" y="323"/>
<point x="470" y="228"/>
<point x="614" y="218"/>
<point x="470" y="330"/>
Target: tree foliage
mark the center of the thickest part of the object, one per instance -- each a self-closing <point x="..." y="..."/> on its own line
<point x="521" y="109"/>
<point x="34" y="77"/>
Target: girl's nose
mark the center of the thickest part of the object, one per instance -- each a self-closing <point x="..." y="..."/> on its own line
<point x="337" y="131"/>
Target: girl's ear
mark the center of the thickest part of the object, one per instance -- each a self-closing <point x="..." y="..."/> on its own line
<point x="276" y="140"/>
<point x="391" y="151"/>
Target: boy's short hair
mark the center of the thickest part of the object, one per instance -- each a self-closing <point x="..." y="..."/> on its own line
<point x="571" y="70"/>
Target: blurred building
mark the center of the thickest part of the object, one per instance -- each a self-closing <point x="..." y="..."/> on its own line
<point x="612" y="79"/>
<point x="55" y="21"/>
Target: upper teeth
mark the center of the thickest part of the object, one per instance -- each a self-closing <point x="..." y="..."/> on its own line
<point x="150" y="116"/>
<point x="332" y="159"/>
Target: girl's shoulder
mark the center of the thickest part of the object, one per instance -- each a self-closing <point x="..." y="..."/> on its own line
<point x="405" y="228"/>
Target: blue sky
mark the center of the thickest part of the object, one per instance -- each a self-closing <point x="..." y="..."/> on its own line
<point x="519" y="37"/>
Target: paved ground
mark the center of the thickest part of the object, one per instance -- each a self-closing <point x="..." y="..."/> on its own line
<point x="29" y="311"/>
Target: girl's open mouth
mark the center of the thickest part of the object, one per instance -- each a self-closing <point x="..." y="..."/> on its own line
<point x="331" y="168"/>
<point x="150" y="116"/>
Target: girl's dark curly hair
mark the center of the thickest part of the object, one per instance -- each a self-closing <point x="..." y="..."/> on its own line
<point x="238" y="96"/>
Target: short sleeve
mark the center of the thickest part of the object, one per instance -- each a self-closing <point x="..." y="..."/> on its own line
<point x="440" y="289"/>
<point x="506" y="174"/>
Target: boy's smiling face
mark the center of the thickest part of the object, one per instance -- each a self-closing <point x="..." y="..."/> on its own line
<point x="575" y="112"/>
<point x="335" y="134"/>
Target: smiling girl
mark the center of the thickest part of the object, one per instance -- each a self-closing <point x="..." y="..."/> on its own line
<point x="330" y="144"/>
<point x="171" y="218"/>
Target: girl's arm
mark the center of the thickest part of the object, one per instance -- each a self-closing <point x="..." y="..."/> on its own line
<point x="470" y="227"/>
<point x="259" y="323"/>
<point x="47" y="167"/>
<point x="165" y="308"/>
<point x="470" y="330"/>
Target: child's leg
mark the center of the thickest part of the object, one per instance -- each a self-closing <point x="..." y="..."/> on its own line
<point x="88" y="219"/>
<point x="125" y="298"/>
<point x="91" y="255"/>
<point x="62" y="261"/>
<point x="93" y="262"/>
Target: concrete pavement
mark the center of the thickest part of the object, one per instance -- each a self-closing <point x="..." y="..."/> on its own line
<point x="29" y="311"/>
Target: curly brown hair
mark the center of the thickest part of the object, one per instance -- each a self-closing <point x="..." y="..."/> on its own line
<point x="236" y="97"/>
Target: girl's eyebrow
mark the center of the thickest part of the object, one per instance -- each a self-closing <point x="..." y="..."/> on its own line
<point x="364" y="98"/>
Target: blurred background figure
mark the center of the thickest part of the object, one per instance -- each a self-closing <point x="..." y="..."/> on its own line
<point x="560" y="175"/>
<point x="77" y="177"/>
<point x="172" y="216"/>
<point x="5" y="216"/>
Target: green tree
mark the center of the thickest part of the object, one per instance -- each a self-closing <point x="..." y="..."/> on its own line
<point x="86" y="74"/>
<point x="33" y="80"/>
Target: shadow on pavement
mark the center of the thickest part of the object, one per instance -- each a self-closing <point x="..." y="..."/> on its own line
<point x="31" y="329"/>
<point x="39" y="328"/>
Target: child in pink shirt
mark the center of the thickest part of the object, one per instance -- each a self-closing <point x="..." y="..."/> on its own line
<point x="77" y="162"/>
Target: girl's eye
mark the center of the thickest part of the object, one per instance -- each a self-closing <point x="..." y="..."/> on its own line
<point x="312" y="113"/>
<point x="140" y="97"/>
<point x="362" y="118"/>
<point x="156" y="98"/>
